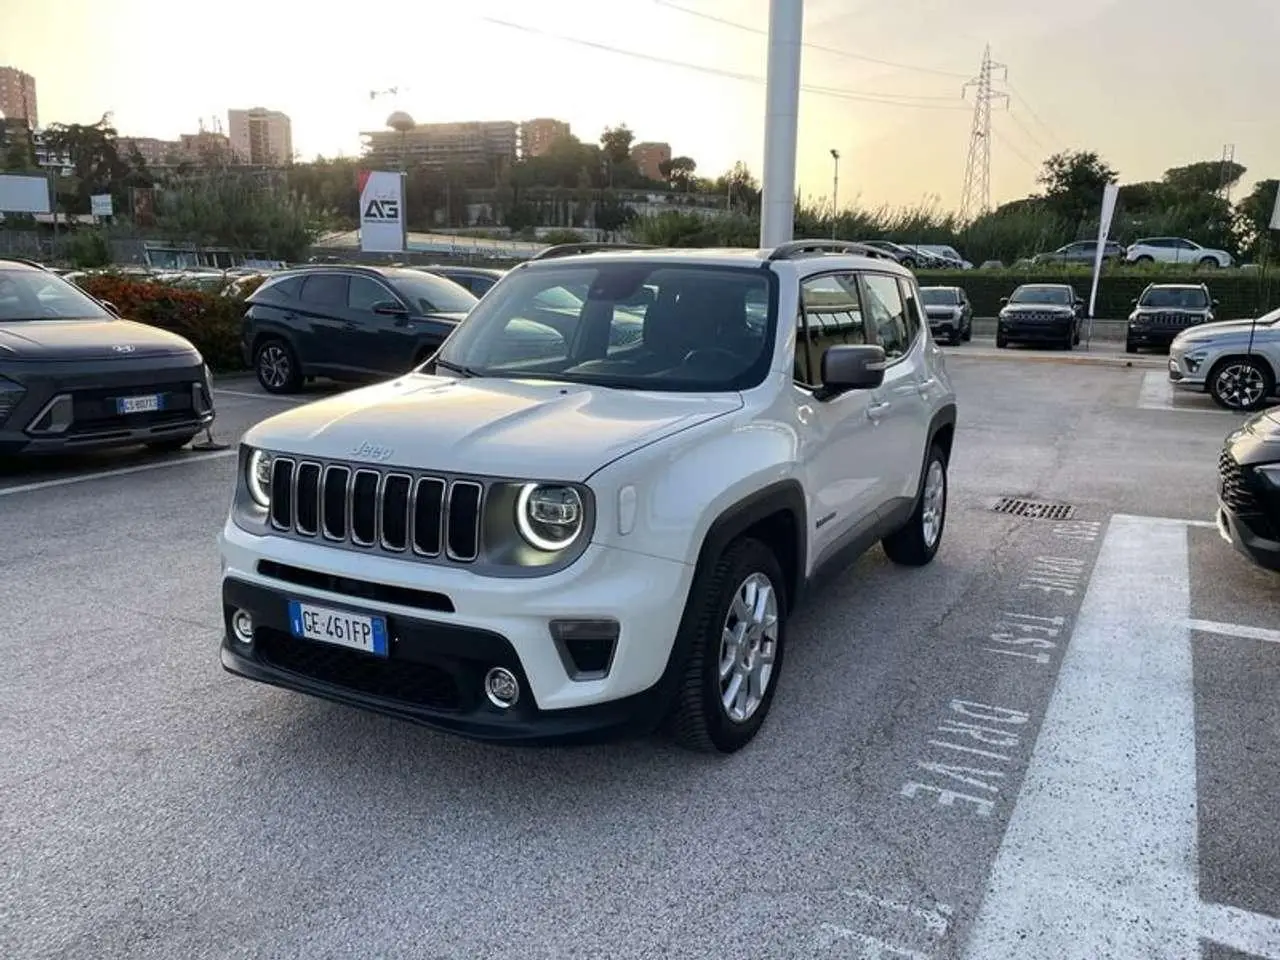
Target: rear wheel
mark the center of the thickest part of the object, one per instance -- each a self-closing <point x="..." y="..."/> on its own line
<point x="277" y="367"/>
<point x="1145" y="258"/>
<point x="735" y="652"/>
<point x="916" y="543"/>
<point x="1241" y="383"/>
<point x="1209" y="262"/>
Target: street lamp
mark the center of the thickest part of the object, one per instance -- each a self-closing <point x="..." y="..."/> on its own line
<point x="835" y="190"/>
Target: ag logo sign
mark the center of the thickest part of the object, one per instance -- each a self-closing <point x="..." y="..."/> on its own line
<point x="386" y="210"/>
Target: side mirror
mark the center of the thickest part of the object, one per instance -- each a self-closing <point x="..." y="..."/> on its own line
<point x="1214" y="302"/>
<point x="1134" y="301"/>
<point x="848" y="367"/>
<point x="112" y="309"/>
<point x="1003" y="301"/>
<point x="389" y="308"/>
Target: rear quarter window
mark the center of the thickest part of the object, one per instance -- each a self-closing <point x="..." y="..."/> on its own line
<point x="278" y="291"/>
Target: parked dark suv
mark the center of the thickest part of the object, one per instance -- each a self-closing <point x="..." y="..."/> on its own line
<point x="347" y="323"/>
<point x="479" y="280"/>
<point x="1048" y="313"/>
<point x="76" y="376"/>
<point x="1249" y="489"/>
<point x="1164" y="310"/>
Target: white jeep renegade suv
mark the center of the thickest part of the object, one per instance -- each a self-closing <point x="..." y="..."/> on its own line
<point x="592" y="512"/>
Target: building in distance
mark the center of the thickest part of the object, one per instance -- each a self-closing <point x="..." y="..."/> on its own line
<point x="491" y="144"/>
<point x="537" y="136"/>
<point x="260" y="137"/>
<point x="18" y="96"/>
<point x="650" y="157"/>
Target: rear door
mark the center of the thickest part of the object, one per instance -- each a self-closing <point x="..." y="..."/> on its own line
<point x="321" y="320"/>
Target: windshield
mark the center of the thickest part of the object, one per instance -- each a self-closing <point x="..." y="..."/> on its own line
<point x="37" y="295"/>
<point x="637" y="325"/>
<point x="938" y="297"/>
<point x="432" y="294"/>
<point x="1189" y="298"/>
<point x="1057" y="296"/>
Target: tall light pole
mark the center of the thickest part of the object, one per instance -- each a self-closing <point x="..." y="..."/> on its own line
<point x="782" y="108"/>
<point x="835" y="190"/>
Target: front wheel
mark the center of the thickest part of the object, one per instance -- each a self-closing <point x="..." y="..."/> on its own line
<point x="916" y="543"/>
<point x="1241" y="383"/>
<point x="1130" y="347"/>
<point x="1001" y="341"/>
<point x="968" y="332"/>
<point x="1209" y="262"/>
<point x="736" y="652"/>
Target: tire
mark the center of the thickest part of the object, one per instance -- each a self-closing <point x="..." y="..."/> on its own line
<point x="1001" y="340"/>
<point x="171" y="444"/>
<point x="1241" y="383"/>
<point x="917" y="542"/>
<point x="1209" y="262"/>
<point x="968" y="332"/>
<point x="1145" y="258"/>
<point x="699" y="719"/>
<point x="1129" y="347"/>
<point x="276" y="366"/>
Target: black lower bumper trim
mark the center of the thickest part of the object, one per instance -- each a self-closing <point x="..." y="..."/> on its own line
<point x="433" y="677"/>
<point x="1259" y="547"/>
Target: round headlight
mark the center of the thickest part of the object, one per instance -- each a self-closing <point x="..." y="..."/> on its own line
<point x="548" y="517"/>
<point x="257" y="476"/>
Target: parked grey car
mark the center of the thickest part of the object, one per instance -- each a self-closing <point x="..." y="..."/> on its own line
<point x="1234" y="361"/>
<point x="949" y="312"/>
<point x="1081" y="252"/>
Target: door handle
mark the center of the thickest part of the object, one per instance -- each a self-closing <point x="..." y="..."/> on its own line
<point x="877" y="410"/>
<point x="924" y="386"/>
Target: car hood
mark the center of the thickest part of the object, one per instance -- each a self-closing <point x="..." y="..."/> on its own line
<point x="1211" y="331"/>
<point x="104" y="339"/>
<point x="488" y="427"/>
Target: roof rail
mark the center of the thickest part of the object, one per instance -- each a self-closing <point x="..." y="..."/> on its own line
<point x="24" y="260"/>
<point x="800" y="248"/>
<point x="570" y="249"/>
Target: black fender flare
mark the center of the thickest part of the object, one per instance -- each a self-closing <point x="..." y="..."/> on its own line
<point x="782" y="496"/>
<point x="945" y="417"/>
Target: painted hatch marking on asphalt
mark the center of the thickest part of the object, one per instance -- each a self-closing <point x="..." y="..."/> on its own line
<point x="116" y="472"/>
<point x="1084" y="869"/>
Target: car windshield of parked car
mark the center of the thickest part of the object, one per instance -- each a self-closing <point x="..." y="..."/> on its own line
<point x="639" y="325"/>
<point x="37" y="295"/>
<point x="432" y="294"/>
<point x="1057" y="296"/>
<point x="938" y="297"/>
<point x="1188" y="299"/>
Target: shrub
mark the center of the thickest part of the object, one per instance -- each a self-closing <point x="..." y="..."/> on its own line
<point x="210" y="322"/>
<point x="1240" y="293"/>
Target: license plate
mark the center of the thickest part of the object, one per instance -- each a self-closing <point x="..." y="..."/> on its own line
<point x="355" y="630"/>
<point x="148" y="404"/>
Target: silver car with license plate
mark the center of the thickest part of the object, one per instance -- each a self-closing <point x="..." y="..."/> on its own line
<point x="1234" y="361"/>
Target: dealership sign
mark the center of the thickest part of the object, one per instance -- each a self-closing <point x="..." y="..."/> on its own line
<point x="382" y="219"/>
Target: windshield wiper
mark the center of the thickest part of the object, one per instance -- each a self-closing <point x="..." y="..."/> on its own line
<point x="455" y="368"/>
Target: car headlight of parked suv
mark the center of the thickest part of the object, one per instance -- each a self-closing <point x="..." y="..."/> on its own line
<point x="11" y="395"/>
<point x="549" y="517"/>
<point x="257" y="477"/>
<point x="1270" y="472"/>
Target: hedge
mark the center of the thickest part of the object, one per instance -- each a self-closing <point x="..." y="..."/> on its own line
<point x="210" y="322"/>
<point x="1240" y="293"/>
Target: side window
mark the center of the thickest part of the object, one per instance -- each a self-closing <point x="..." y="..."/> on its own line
<point x="325" y="290"/>
<point x="908" y="291"/>
<point x="364" y="293"/>
<point x="886" y="314"/>
<point x="282" y="291"/>
<point x="830" y="314"/>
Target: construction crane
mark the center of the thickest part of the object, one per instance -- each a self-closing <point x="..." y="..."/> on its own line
<point x="390" y="91"/>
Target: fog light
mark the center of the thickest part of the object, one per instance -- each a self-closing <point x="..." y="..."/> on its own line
<point x="501" y="687"/>
<point x="242" y="626"/>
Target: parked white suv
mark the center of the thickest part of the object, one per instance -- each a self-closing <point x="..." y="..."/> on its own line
<point x="1176" y="250"/>
<point x="593" y="511"/>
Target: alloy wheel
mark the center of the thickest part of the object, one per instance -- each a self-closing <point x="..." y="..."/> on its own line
<point x="273" y="366"/>
<point x="935" y="504"/>
<point x="748" y="647"/>
<point x="1240" y="385"/>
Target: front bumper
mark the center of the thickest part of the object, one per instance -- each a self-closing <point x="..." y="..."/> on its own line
<point x="1054" y="330"/>
<point x="1156" y="337"/>
<point x="1254" y="536"/>
<point x="949" y="327"/>
<point x="437" y="661"/>
<point x="69" y="407"/>
<point x="1185" y="375"/>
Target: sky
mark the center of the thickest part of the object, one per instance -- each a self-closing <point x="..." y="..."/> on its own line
<point x="882" y="79"/>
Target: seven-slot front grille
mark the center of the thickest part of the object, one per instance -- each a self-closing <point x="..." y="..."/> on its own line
<point x="1173" y="319"/>
<point x="391" y="510"/>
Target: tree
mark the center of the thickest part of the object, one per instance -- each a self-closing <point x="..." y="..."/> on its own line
<point x="95" y="162"/>
<point x="1253" y="218"/>
<point x="1074" y="182"/>
<point x="19" y="150"/>
<point x="741" y="188"/>
<point x="679" y="172"/>
<point x="1207" y="176"/>
<point x="615" y="143"/>
<point x="239" y="211"/>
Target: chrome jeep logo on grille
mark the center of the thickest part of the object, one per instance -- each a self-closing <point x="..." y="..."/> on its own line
<point x="373" y="452"/>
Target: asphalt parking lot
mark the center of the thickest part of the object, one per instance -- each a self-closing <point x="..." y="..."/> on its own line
<point x="1060" y="740"/>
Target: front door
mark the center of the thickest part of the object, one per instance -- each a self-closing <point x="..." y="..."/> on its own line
<point x="375" y="342"/>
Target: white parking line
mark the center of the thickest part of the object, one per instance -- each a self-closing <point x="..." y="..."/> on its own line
<point x="1157" y="393"/>
<point x="1238" y="630"/>
<point x="1100" y="857"/>
<point x="118" y="472"/>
